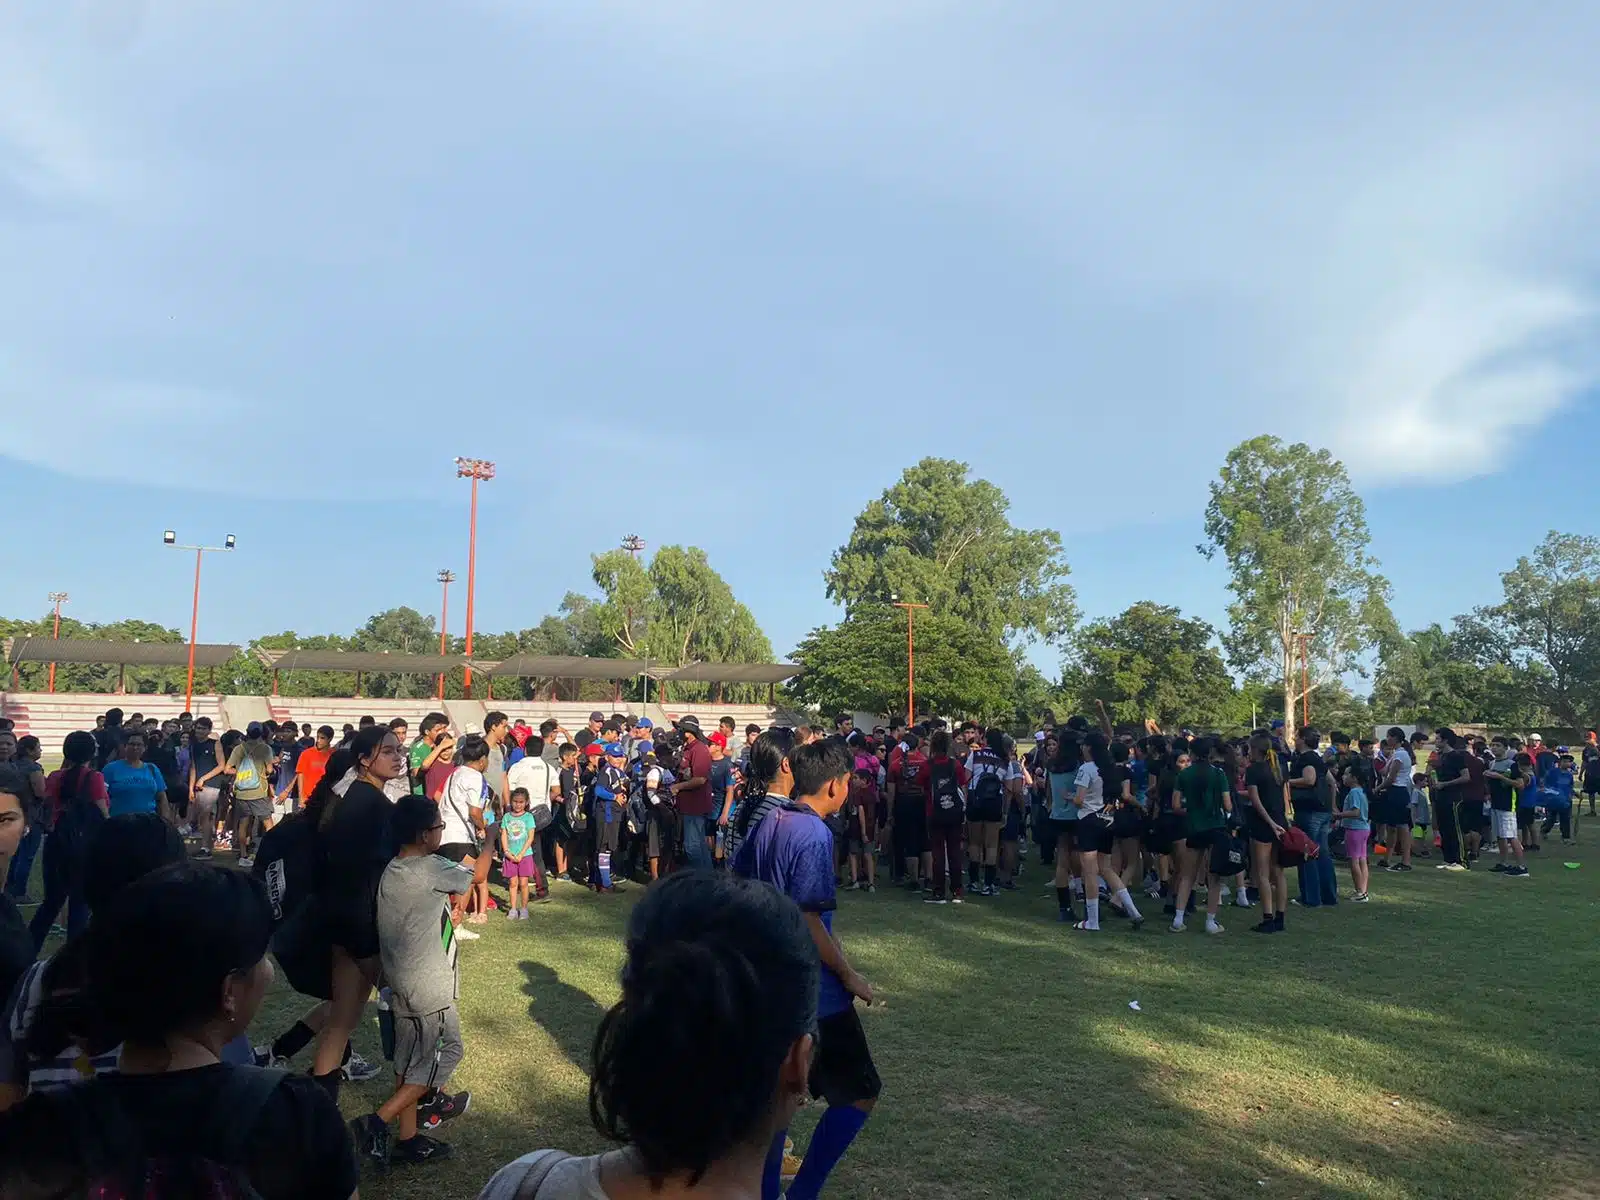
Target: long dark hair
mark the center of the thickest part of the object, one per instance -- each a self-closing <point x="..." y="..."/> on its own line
<point x="1069" y="754"/>
<point x="702" y="947"/>
<point x="767" y="753"/>
<point x="1098" y="751"/>
<point x="77" y="752"/>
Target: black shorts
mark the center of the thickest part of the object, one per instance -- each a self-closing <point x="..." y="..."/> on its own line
<point x="353" y="924"/>
<point x="1394" y="808"/>
<point x="1472" y="817"/>
<point x="1260" y="831"/>
<point x="457" y="852"/>
<point x="1591" y="786"/>
<point x="842" y="1070"/>
<point x="1094" y="836"/>
<point x="1527" y="815"/>
<point x="1063" y="829"/>
<point x="661" y="833"/>
<point x="1011" y="831"/>
<point x="1204" y="840"/>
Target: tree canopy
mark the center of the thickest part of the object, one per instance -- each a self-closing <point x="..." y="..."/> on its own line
<point x="1294" y="535"/>
<point x="1149" y="663"/>
<point x="941" y="539"/>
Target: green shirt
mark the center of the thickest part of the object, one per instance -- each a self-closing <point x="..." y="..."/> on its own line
<point x="419" y="755"/>
<point x="1203" y="789"/>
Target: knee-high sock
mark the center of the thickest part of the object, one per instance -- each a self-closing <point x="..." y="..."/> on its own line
<point x="603" y="864"/>
<point x="834" y="1133"/>
<point x="772" y="1171"/>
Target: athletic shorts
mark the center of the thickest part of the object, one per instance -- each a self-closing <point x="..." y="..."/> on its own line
<point x="661" y="834"/>
<point x="1591" y="786"/>
<point x="1064" y="829"/>
<point x="1472" y="817"/>
<point x="261" y="810"/>
<point x="1394" y="808"/>
<point x="1203" y="840"/>
<point x="457" y="852"/>
<point x="353" y="922"/>
<point x="1095" y="836"/>
<point x="1355" y="842"/>
<point x="1527" y="816"/>
<point x="1505" y="824"/>
<point x="1260" y="831"/>
<point x="427" y="1050"/>
<point x="842" y="1070"/>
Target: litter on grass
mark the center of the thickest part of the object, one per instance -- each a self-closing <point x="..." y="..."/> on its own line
<point x="1134" y="1004"/>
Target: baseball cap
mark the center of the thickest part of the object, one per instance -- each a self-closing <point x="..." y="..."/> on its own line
<point x="718" y="739"/>
<point x="615" y="750"/>
<point x="1039" y="736"/>
<point x="253" y="730"/>
<point x="597" y="716"/>
<point x="1277" y="723"/>
<point x="644" y="723"/>
<point x="1534" y="737"/>
<point x="594" y="750"/>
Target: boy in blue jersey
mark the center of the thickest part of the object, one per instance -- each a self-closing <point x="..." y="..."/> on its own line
<point x="792" y="849"/>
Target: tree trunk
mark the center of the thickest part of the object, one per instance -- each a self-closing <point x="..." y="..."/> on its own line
<point x="1288" y="691"/>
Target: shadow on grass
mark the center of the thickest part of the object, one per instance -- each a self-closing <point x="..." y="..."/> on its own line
<point x="567" y="1013"/>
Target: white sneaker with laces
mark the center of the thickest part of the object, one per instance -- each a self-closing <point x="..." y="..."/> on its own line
<point x="463" y="934"/>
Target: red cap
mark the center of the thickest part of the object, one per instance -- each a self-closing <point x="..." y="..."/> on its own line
<point x="594" y="749"/>
<point x="719" y="739"/>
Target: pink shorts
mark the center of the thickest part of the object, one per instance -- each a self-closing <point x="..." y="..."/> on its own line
<point x="1355" y="842"/>
<point x="518" y="870"/>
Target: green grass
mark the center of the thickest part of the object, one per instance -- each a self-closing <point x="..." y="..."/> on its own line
<point x="1439" y="1041"/>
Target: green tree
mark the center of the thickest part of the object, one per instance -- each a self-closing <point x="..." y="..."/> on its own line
<point x="1294" y="534"/>
<point x="675" y="611"/>
<point x="859" y="665"/>
<point x="1546" y="630"/>
<point x="1149" y="663"/>
<point x="1437" y="677"/>
<point x="940" y="539"/>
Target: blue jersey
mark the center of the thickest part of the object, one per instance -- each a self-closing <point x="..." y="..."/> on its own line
<point x="792" y="849"/>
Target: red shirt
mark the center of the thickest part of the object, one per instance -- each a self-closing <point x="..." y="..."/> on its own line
<point x="696" y="764"/>
<point x="910" y="774"/>
<point x="91" y="787"/>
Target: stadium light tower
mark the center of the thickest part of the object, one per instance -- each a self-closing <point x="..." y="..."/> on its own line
<point x="57" y="599"/>
<point x="634" y="545"/>
<point x="475" y="469"/>
<point x="169" y="538"/>
<point x="911" y="654"/>
<point x="446" y="577"/>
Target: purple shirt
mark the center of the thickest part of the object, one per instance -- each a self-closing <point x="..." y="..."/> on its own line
<point x="792" y="849"/>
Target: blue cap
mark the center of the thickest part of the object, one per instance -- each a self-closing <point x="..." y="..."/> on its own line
<point x="1278" y="723"/>
<point x="253" y="730"/>
<point x="615" y="748"/>
<point x="645" y="723"/>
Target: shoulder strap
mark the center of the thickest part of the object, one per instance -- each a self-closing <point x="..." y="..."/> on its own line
<point x="243" y="1097"/>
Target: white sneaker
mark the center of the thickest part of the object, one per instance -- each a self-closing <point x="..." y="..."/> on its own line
<point x="463" y="934"/>
<point x="359" y="1070"/>
<point x="246" y="862"/>
<point x="1213" y="928"/>
<point x="1241" y="901"/>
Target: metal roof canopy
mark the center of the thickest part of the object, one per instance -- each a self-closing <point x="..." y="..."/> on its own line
<point x="117" y="654"/>
<point x="732" y="673"/>
<point x="545" y="666"/>
<point x="364" y="661"/>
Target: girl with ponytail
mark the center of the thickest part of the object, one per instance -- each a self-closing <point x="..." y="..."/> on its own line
<point x="701" y="946"/>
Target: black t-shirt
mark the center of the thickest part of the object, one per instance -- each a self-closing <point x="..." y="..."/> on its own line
<point x="1115" y="776"/>
<point x="1309" y="799"/>
<point x="16" y="946"/>
<point x="298" y="1147"/>
<point x="357" y="842"/>
<point x="108" y="742"/>
<point x="1500" y="792"/>
<point x="203" y="756"/>
<point x="1452" y="765"/>
<point x="584" y="736"/>
<point x="1260" y="776"/>
<point x="1591" y="765"/>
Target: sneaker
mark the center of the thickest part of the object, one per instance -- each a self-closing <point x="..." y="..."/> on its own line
<point x="1360" y="898"/>
<point x="1008" y="887"/>
<point x="246" y="862"/>
<point x="1517" y="872"/>
<point x="371" y="1137"/>
<point x="956" y="899"/>
<point x="440" y="1107"/>
<point x="790" y="1168"/>
<point x="872" y="889"/>
<point x="990" y="889"/>
<point x="1499" y="868"/>
<point x="1389" y="866"/>
<point x="202" y="855"/>
<point x="1213" y="928"/>
<point x="420" y="1149"/>
<point x="264" y="1057"/>
<point x="1265" y="925"/>
<point x="1242" y="901"/>
<point x="25" y="902"/>
<point x="359" y="1070"/>
<point x="934" y="900"/>
<point x="1455" y="867"/>
<point x="1404" y="867"/>
<point x="463" y="934"/>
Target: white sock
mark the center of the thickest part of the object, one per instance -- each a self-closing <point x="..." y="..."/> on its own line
<point x="1091" y="914"/>
<point x="1126" y="902"/>
<point x="1177" y="921"/>
<point x="1211" y="923"/>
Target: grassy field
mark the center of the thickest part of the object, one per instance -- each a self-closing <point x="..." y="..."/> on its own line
<point x="1437" y="1042"/>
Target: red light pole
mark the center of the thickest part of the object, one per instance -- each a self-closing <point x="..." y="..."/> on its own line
<point x="445" y="577"/>
<point x="169" y="538"/>
<point x="473" y="469"/>
<point x="58" y="599"/>
<point x="911" y="657"/>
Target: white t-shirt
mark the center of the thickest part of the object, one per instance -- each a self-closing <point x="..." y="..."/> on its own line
<point x="1402" y="777"/>
<point x="537" y="776"/>
<point x="462" y="791"/>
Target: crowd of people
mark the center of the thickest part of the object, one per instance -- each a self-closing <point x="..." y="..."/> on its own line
<point x="367" y="856"/>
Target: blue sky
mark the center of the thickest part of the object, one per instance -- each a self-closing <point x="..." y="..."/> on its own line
<point x="266" y="269"/>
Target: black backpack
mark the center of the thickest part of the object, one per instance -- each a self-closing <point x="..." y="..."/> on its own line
<point x="286" y="861"/>
<point x="945" y="789"/>
<point x="986" y="799"/>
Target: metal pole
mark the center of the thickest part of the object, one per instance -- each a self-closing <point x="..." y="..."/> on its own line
<point x="55" y="634"/>
<point x="911" y="659"/>
<point x="472" y="577"/>
<point x="444" y="625"/>
<point x="194" y="632"/>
